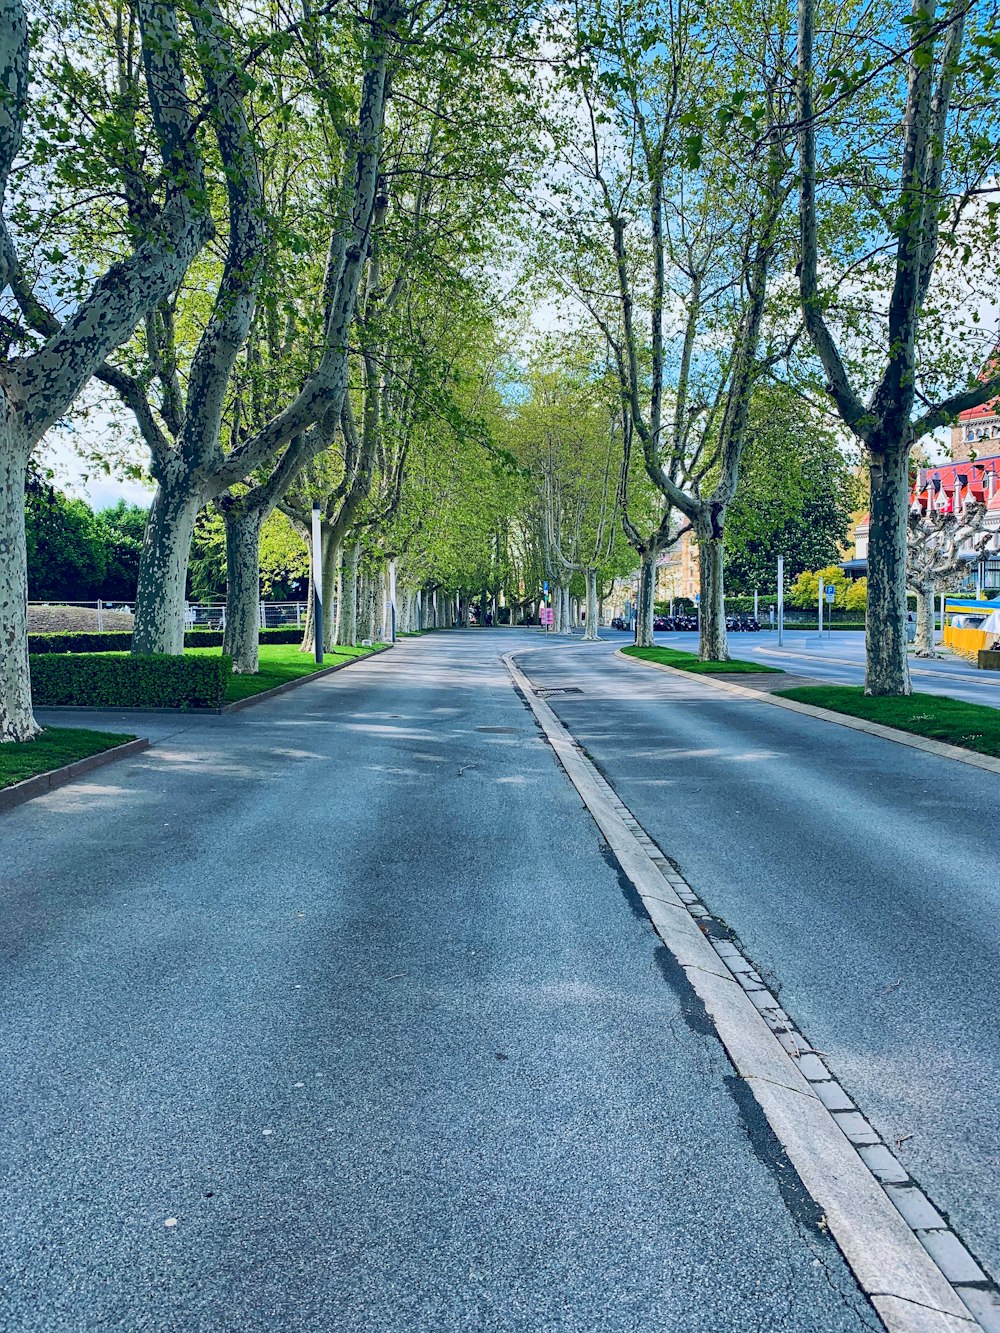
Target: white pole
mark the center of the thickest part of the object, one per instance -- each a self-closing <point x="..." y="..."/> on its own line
<point x="100" y="616"/>
<point x="822" y="594"/>
<point x="781" y="599"/>
<point x="317" y="578"/>
<point x="755" y="615"/>
<point x="392" y="601"/>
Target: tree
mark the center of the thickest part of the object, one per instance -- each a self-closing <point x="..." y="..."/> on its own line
<point x="123" y="526"/>
<point x="692" y="200"/>
<point x="891" y="224"/>
<point x="451" y="148"/>
<point x="934" y="558"/>
<point x="565" y="433"/>
<point x="37" y="386"/>
<point x="284" y="561"/>
<point x="189" y="462"/>
<point x="65" y="543"/>
<point x="804" y="591"/>
<point x="796" y="495"/>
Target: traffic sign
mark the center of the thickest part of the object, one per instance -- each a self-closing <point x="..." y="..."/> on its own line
<point x="831" y="592"/>
<point x="697" y="598"/>
<point x="545" y="587"/>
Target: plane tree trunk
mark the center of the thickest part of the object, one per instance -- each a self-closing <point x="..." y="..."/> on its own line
<point x="241" y="639"/>
<point x="590" y="581"/>
<point x="645" y="600"/>
<point x="17" y="722"/>
<point x="712" y="642"/>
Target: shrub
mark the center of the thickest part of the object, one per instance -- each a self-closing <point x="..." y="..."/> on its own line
<point x="72" y="641"/>
<point x="75" y="641"/>
<point x="117" y="680"/>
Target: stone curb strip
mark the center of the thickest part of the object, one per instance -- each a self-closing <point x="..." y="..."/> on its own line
<point x="940" y="748"/>
<point x="913" y="1268"/>
<point x="58" y="777"/>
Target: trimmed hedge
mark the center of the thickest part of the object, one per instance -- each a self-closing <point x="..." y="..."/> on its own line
<point x="118" y="680"/>
<point x="71" y="641"/>
<point x="120" y="641"/>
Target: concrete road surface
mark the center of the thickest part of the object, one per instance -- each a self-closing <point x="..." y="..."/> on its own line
<point x="861" y="875"/>
<point x="331" y="1015"/>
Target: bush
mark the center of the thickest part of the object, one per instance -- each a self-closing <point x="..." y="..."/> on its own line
<point x="120" y="641"/>
<point x="117" y="680"/>
<point x="74" y="641"/>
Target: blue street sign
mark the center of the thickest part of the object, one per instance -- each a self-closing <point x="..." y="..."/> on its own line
<point x="697" y="597"/>
<point x="545" y="586"/>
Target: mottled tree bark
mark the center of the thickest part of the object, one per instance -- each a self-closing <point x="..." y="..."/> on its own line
<point x="712" y="642"/>
<point x="887" y="672"/>
<point x="924" y="639"/>
<point x="166" y="547"/>
<point x="17" y="722"/>
<point x="347" y="595"/>
<point x="242" y="634"/>
<point x="644" y="604"/>
<point x="590" y="580"/>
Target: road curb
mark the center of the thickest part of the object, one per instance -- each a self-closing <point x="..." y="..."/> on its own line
<point x="815" y="1122"/>
<point x="940" y="748"/>
<point x="59" y="777"/>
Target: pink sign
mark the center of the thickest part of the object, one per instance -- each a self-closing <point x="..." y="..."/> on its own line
<point x="547" y="615"/>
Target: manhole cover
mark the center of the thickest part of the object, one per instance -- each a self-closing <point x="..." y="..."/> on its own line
<point x="558" y="689"/>
<point x="499" y="731"/>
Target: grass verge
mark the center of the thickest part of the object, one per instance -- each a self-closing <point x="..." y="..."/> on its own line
<point x="971" y="726"/>
<point x="280" y="663"/>
<point x="54" y="748"/>
<point x="674" y="657"/>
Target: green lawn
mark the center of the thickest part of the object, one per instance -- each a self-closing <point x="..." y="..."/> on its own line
<point x="52" y="749"/>
<point x="279" y="663"/>
<point x="673" y="657"/>
<point x="972" y="726"/>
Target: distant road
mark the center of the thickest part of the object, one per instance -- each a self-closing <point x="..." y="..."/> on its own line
<point x="840" y="659"/>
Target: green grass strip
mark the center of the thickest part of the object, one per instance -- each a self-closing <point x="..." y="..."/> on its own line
<point x="971" y="726"/>
<point x="673" y="657"/>
<point x="280" y="663"/>
<point x="54" y="748"/>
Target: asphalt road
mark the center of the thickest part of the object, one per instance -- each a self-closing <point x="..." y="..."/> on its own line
<point x="840" y="660"/>
<point x="331" y="1015"/>
<point x="862" y="877"/>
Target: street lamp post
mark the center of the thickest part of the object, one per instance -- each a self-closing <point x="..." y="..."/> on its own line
<point x="781" y="599"/>
<point x="317" y="580"/>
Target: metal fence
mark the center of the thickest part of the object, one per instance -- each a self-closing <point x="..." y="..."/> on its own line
<point x="101" y="615"/>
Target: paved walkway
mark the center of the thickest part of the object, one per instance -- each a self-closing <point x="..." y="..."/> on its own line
<point x="331" y="1015"/>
